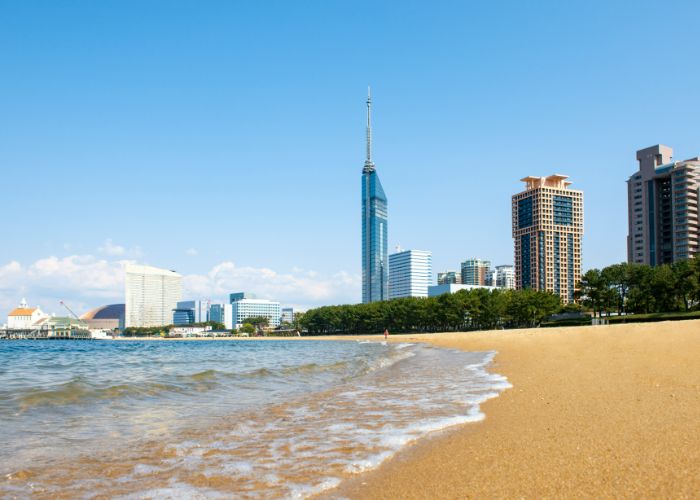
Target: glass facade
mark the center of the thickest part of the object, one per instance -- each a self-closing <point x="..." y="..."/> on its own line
<point x="524" y="213"/>
<point x="375" y="282"/>
<point x="563" y="210"/>
<point x="525" y="261"/>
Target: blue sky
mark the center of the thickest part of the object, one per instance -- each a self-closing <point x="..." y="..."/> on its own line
<point x="226" y="139"/>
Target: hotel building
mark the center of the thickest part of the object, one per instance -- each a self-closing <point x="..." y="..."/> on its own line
<point x="375" y="283"/>
<point x="474" y="272"/>
<point x="410" y="273"/>
<point x="243" y="308"/>
<point x="662" y="200"/>
<point x="547" y="232"/>
<point x="151" y="295"/>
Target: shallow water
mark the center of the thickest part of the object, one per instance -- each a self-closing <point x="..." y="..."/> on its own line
<point x="216" y="418"/>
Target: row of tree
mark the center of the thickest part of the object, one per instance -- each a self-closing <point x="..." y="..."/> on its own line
<point x="638" y="288"/>
<point x="478" y="309"/>
<point x="622" y="288"/>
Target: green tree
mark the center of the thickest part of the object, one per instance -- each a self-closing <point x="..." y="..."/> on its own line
<point x="686" y="281"/>
<point x="247" y="328"/>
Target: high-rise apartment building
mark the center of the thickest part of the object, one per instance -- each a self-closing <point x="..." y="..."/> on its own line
<point x="375" y="283"/>
<point x="151" y="295"/>
<point x="449" y="278"/>
<point x="547" y="231"/>
<point x="662" y="200"/>
<point x="410" y="273"/>
<point x="475" y="271"/>
<point x="243" y="308"/>
<point x="502" y="277"/>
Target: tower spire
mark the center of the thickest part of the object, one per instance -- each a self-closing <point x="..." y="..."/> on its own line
<point x="369" y="166"/>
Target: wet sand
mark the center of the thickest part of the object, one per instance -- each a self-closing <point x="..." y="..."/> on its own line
<point x="607" y="411"/>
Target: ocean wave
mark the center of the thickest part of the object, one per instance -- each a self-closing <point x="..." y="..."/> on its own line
<point x="79" y="392"/>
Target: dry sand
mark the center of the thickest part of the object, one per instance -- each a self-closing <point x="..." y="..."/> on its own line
<point x="607" y="411"/>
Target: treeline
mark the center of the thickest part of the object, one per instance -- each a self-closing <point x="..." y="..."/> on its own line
<point x="637" y="288"/>
<point x="149" y="331"/>
<point x="478" y="309"/>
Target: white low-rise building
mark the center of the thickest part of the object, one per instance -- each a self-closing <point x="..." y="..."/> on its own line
<point x="25" y="317"/>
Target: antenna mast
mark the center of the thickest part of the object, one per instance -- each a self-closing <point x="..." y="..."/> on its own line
<point x="369" y="166"/>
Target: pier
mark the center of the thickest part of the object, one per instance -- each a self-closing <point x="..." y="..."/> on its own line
<point x="44" y="334"/>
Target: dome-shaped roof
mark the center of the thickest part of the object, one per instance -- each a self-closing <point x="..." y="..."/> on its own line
<point x="112" y="311"/>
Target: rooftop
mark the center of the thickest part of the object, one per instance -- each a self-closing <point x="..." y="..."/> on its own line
<point x="22" y="311"/>
<point x="557" y="181"/>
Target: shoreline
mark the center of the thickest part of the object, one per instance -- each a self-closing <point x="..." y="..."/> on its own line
<point x="593" y="411"/>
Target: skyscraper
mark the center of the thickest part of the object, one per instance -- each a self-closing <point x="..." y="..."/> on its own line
<point x="375" y="283"/>
<point x="151" y="295"/>
<point x="547" y="231"/>
<point x="662" y="200"/>
<point x="410" y="273"/>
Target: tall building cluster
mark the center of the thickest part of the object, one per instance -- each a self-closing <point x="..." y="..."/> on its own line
<point x="407" y="273"/>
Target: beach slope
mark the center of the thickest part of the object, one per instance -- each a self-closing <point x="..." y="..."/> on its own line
<point x="594" y="411"/>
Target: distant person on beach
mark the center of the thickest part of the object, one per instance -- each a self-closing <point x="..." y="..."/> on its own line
<point x="386" y="333"/>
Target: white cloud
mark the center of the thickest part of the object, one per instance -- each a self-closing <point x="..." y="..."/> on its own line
<point x="302" y="288"/>
<point x="111" y="249"/>
<point x="83" y="281"/>
<point x="87" y="281"/>
<point x="191" y="251"/>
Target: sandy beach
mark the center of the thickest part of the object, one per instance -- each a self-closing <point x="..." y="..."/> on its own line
<point x="608" y="411"/>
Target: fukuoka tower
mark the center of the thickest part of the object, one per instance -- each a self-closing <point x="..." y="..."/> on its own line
<point x="375" y="282"/>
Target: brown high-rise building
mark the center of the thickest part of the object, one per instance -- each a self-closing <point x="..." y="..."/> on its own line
<point x="547" y="232"/>
<point x="662" y="200"/>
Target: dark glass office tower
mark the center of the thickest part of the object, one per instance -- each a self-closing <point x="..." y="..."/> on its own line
<point x="375" y="282"/>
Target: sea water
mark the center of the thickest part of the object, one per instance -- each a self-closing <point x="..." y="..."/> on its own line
<point x="211" y="419"/>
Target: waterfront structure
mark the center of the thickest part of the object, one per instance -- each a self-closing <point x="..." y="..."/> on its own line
<point x="191" y="311"/>
<point x="151" y="295"/>
<point x="190" y="331"/>
<point x="375" y="282"/>
<point x="449" y="277"/>
<point x="243" y="308"/>
<point x="547" y="232"/>
<point x="502" y="277"/>
<point x="410" y="273"/>
<point x="287" y="315"/>
<point x="436" y="290"/>
<point x="662" y="201"/>
<point x="474" y="272"/>
<point x="109" y="317"/>
<point x="24" y="317"/>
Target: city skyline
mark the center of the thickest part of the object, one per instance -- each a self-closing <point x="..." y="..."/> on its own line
<point x="155" y="132"/>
